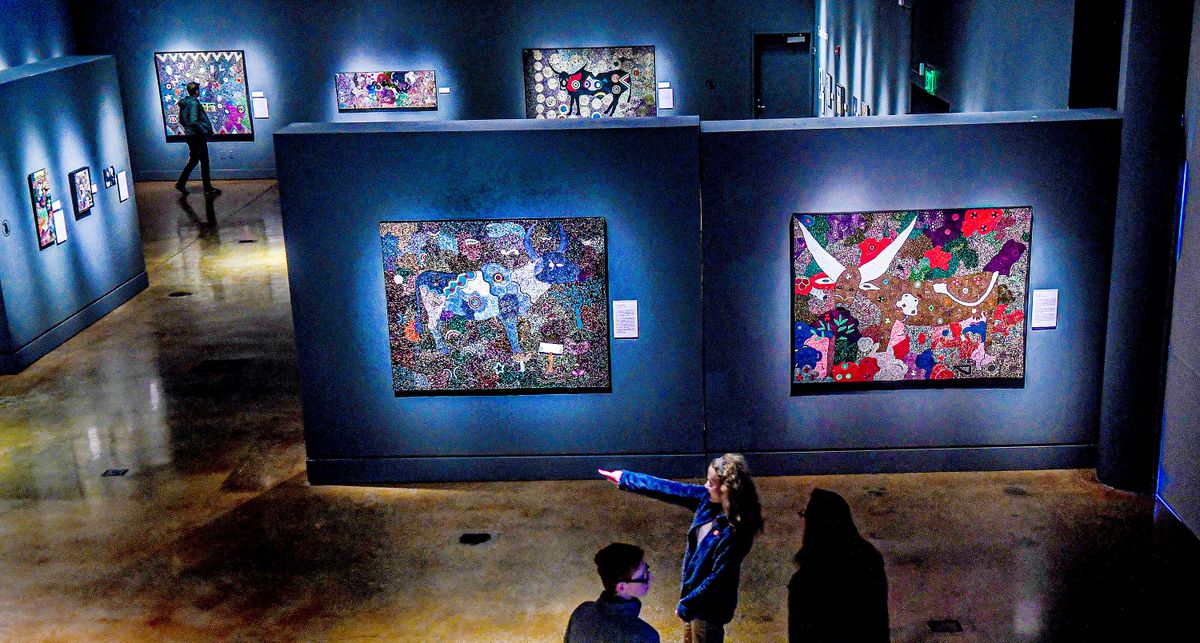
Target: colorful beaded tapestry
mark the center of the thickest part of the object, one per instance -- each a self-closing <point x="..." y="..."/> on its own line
<point x="590" y="82"/>
<point x="910" y="296"/>
<point x="497" y="305"/>
<point x="386" y="90"/>
<point x="223" y="91"/>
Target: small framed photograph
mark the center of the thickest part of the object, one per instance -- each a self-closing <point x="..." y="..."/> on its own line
<point x="81" y="192"/>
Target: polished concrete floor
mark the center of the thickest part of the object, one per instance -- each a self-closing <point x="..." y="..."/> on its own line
<point x="214" y="534"/>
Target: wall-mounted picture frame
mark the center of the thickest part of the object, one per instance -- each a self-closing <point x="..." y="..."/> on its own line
<point x="224" y="91"/>
<point x="43" y="208"/>
<point x="81" y="192"/>
<point x="590" y="82"/>
<point x="110" y="177"/>
<point x="497" y="306"/>
<point x="910" y="297"/>
<point x="386" y="91"/>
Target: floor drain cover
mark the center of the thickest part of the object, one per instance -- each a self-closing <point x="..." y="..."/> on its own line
<point x="180" y="293"/>
<point x="114" y="473"/>
<point x="247" y="241"/>
<point x="474" y="539"/>
<point x="949" y="626"/>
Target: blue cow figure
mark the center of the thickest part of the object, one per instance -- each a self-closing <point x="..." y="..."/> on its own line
<point x="484" y="294"/>
<point x="552" y="267"/>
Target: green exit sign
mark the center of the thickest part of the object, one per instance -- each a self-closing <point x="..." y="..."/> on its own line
<point x="930" y="76"/>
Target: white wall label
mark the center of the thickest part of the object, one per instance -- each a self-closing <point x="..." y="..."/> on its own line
<point x="663" y="84"/>
<point x="60" y="222"/>
<point x="666" y="98"/>
<point x="260" y="106"/>
<point x="1045" y="309"/>
<point x="625" y="319"/>
<point x="443" y="90"/>
<point x="123" y="186"/>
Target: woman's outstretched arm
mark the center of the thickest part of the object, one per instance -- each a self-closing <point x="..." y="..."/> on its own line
<point x="677" y="493"/>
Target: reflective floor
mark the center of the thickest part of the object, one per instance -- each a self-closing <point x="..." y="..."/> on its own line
<point x="214" y="534"/>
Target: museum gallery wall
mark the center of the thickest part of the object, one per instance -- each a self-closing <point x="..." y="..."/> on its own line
<point x="512" y="305"/>
<point x="58" y="272"/>
<point x="386" y="90"/>
<point x="224" y="91"/>
<point x="911" y="296"/>
<point x="589" y="82"/>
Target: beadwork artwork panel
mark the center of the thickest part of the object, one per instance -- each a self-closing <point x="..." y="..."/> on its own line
<point x="590" y="82"/>
<point x="224" y="91"/>
<point x="386" y="90"/>
<point x="516" y="305"/>
<point x="910" y="296"/>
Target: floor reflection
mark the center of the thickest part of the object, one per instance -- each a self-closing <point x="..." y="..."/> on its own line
<point x="213" y="533"/>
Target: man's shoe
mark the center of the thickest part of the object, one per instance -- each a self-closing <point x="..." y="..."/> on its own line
<point x="212" y="191"/>
<point x="182" y="188"/>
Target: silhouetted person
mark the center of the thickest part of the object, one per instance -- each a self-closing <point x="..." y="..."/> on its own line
<point x="197" y="129"/>
<point x="614" y="616"/>
<point x="839" y="591"/>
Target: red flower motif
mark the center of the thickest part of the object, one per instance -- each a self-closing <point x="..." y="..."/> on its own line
<point x="938" y="258"/>
<point x="980" y="221"/>
<point x="941" y="372"/>
<point x="804" y="285"/>
<point x="870" y="248"/>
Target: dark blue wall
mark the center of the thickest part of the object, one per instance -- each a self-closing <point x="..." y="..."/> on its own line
<point x="756" y="175"/>
<point x="1157" y="38"/>
<point x="874" y="36"/>
<point x="997" y="55"/>
<point x="1179" y="478"/>
<point x="49" y="295"/>
<point x="34" y="30"/>
<point x="293" y="50"/>
<point x="337" y="182"/>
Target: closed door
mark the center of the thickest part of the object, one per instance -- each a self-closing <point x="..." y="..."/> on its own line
<point x="783" y="75"/>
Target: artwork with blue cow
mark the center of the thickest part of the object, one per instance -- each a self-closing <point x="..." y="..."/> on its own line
<point x="514" y="305"/>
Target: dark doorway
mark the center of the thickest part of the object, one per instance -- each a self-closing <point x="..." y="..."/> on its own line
<point x="783" y="75"/>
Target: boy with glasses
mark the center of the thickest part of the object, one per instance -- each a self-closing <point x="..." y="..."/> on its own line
<point x="614" y="616"/>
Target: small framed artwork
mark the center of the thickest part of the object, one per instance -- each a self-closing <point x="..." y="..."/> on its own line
<point x="43" y="208"/>
<point x="81" y="192"/>
<point x="854" y="105"/>
<point x="866" y="109"/>
<point x="840" y="107"/>
<point x="110" y="177"/>
<point x="829" y="94"/>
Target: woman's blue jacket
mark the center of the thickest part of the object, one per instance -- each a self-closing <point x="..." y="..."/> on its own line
<point x="711" y="568"/>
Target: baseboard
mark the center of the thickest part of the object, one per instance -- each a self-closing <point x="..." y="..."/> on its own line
<point x="20" y="359"/>
<point x="1006" y="458"/>
<point x="372" y="471"/>
<point x="382" y="471"/>
<point x="217" y="175"/>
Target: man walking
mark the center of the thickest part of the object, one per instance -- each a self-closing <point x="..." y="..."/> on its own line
<point x="198" y="128"/>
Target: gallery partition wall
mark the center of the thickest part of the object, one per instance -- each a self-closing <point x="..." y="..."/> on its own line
<point x="452" y="323"/>
<point x="70" y="251"/>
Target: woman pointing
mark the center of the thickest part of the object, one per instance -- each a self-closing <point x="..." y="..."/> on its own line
<point x="727" y="516"/>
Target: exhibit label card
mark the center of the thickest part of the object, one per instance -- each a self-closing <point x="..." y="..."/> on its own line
<point x="60" y="222"/>
<point x="666" y="98"/>
<point x="122" y="186"/>
<point x="625" y="318"/>
<point x="1045" y="309"/>
<point x="260" y="107"/>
